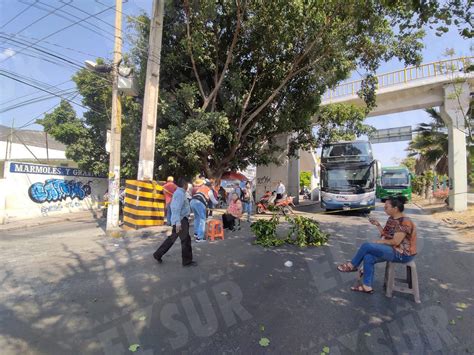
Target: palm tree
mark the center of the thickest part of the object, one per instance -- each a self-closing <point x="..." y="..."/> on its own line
<point x="430" y="145"/>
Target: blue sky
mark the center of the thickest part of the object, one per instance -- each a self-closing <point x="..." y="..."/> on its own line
<point x="80" y="44"/>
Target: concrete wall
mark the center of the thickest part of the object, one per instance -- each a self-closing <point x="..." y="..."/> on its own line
<point x="33" y="190"/>
<point x="19" y="151"/>
<point x="288" y="172"/>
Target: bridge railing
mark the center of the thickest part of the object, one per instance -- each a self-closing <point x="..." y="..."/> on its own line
<point x="409" y="74"/>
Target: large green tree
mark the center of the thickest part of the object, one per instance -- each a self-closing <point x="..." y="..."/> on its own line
<point x="235" y="75"/>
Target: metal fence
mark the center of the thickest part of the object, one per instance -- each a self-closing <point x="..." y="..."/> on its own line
<point x="409" y="74"/>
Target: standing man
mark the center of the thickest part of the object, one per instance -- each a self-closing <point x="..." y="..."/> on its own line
<point x="280" y="190"/>
<point x="247" y="200"/>
<point x="199" y="203"/>
<point x="180" y="212"/>
<point x="169" y="188"/>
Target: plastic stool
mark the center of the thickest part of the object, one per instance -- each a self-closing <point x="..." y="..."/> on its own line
<point x="215" y="229"/>
<point x="411" y="280"/>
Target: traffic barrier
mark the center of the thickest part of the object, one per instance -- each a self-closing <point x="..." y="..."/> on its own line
<point x="144" y="204"/>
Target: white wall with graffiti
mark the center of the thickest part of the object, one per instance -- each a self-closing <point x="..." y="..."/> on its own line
<point x="34" y="190"/>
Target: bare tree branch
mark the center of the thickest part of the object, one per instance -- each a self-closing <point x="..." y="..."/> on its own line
<point x="283" y="83"/>
<point x="228" y="59"/>
<point x="246" y="101"/>
<point x="190" y="49"/>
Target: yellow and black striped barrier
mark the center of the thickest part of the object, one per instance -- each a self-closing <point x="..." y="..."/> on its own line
<point x="144" y="204"/>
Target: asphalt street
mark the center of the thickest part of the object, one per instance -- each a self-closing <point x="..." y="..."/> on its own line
<point x="68" y="289"/>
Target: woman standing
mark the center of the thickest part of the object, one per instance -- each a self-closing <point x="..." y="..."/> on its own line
<point x="199" y="203"/>
<point x="397" y="244"/>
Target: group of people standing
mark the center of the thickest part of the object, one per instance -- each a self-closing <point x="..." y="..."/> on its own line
<point x="183" y="198"/>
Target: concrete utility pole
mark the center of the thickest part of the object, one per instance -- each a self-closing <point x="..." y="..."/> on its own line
<point x="150" y="102"/>
<point x="116" y="128"/>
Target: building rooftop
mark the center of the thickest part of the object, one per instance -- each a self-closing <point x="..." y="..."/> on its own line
<point x="30" y="138"/>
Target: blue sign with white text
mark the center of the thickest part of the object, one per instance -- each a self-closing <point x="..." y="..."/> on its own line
<point x="24" y="168"/>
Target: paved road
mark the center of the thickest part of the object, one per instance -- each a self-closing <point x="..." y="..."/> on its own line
<point x="470" y="198"/>
<point x="67" y="289"/>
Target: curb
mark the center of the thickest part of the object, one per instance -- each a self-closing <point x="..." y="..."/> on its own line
<point x="29" y="223"/>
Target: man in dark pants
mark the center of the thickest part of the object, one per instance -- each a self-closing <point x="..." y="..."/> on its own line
<point x="180" y="212"/>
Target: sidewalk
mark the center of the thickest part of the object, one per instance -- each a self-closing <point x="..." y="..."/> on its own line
<point x="83" y="216"/>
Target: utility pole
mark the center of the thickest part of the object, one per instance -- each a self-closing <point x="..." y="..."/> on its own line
<point x="150" y="102"/>
<point x="115" y="127"/>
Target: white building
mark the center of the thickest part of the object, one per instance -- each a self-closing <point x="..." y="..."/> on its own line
<point x="31" y="146"/>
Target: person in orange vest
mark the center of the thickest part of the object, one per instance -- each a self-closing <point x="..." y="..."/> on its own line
<point x="169" y="188"/>
<point x="198" y="204"/>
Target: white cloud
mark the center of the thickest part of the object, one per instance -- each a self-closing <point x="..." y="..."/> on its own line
<point x="7" y="52"/>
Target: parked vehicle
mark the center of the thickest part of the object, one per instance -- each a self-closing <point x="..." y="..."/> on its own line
<point x="306" y="193"/>
<point x="394" y="181"/>
<point x="348" y="176"/>
<point x="269" y="203"/>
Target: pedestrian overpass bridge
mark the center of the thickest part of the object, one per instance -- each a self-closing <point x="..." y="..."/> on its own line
<point x="446" y="84"/>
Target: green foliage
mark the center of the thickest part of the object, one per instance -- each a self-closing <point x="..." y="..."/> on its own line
<point x="340" y="122"/>
<point x="235" y="76"/>
<point x="305" y="232"/>
<point x="265" y="232"/>
<point x="260" y="72"/>
<point x="410" y="163"/>
<point x="418" y="184"/>
<point x="305" y="178"/>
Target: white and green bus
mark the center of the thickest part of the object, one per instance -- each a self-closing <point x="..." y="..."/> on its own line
<point x="348" y="176"/>
<point x="394" y="181"/>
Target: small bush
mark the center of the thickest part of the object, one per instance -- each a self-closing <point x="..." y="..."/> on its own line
<point x="441" y="194"/>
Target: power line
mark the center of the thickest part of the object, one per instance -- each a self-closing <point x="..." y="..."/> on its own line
<point x="43" y="51"/>
<point x="17" y="15"/>
<point x="41" y="18"/>
<point x="41" y="58"/>
<point x="9" y="75"/>
<point x="36" y="100"/>
<point x="35" y="92"/>
<point x="52" y="44"/>
<point x="55" y="32"/>
<point x="60" y="12"/>
<point x="33" y="120"/>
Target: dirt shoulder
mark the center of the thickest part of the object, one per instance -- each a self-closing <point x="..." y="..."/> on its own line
<point x="463" y="222"/>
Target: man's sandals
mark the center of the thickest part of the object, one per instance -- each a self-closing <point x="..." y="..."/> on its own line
<point x="346" y="267"/>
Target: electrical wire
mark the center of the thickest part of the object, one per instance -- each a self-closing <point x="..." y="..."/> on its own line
<point x="57" y="31"/>
<point x="35" y="92"/>
<point x="52" y="44"/>
<point x="23" y="81"/>
<point x="41" y="6"/>
<point x="39" y="19"/>
<point x="33" y="120"/>
<point x="75" y="64"/>
<point x="36" y="100"/>
<point x="16" y="16"/>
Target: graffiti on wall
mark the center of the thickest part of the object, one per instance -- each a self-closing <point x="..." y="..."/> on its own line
<point x="53" y="190"/>
<point x="263" y="180"/>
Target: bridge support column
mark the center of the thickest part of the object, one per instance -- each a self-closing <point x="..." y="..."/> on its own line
<point x="288" y="172"/>
<point x="456" y="105"/>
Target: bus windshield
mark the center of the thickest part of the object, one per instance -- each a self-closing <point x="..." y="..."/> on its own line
<point x="346" y="149"/>
<point x="395" y="178"/>
<point x="349" y="178"/>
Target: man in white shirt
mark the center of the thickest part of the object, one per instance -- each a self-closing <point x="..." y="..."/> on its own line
<point x="280" y="190"/>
